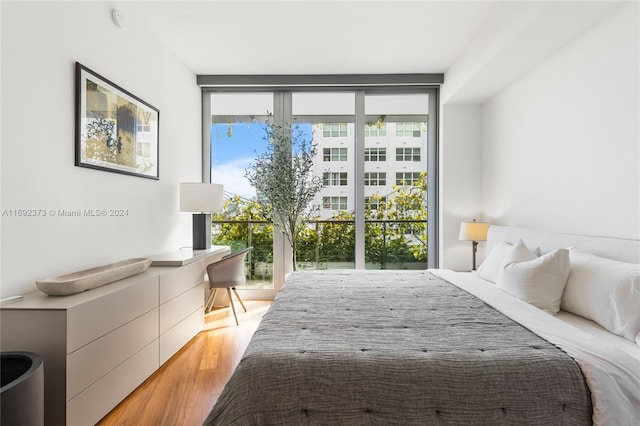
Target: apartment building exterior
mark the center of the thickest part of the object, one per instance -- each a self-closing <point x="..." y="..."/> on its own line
<point x="394" y="155"/>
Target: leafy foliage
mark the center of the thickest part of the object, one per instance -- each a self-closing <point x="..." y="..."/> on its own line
<point x="283" y="175"/>
<point x="245" y="223"/>
<point x="388" y="240"/>
<point x="409" y="203"/>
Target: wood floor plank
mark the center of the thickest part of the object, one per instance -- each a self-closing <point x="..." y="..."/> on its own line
<point x="183" y="390"/>
<point x="211" y="351"/>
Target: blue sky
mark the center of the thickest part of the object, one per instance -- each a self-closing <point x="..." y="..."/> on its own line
<point x="231" y="156"/>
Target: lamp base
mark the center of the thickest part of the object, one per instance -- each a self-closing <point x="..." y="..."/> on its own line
<point x="201" y="231"/>
<point x="474" y="245"/>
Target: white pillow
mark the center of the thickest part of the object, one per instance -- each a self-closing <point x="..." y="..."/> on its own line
<point x="605" y="291"/>
<point x="539" y="282"/>
<point x="625" y="302"/>
<point x="495" y="261"/>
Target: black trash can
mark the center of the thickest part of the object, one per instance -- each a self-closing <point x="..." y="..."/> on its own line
<point x="22" y="390"/>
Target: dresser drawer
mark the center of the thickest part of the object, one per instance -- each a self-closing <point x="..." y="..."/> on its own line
<point x="96" y="401"/>
<point x="180" y="334"/>
<point x="176" y="309"/>
<point x="93" y="361"/>
<point x="95" y="318"/>
<point x="179" y="280"/>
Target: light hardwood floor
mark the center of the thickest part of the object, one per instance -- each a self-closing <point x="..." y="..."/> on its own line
<point x="183" y="390"/>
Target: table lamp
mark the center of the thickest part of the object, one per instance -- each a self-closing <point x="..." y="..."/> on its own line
<point x="201" y="199"/>
<point x="474" y="232"/>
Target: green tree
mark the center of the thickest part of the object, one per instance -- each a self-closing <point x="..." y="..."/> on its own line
<point x="409" y="203"/>
<point x="283" y="175"/>
<point x="245" y="223"/>
<point x="374" y="232"/>
<point x="337" y="238"/>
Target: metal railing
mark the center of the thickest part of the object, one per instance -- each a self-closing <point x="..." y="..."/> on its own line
<point x="330" y="244"/>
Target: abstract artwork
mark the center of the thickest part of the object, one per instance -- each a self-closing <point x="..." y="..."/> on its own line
<point x="115" y="130"/>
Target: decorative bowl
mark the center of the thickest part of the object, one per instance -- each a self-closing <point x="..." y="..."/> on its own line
<point x="87" y="279"/>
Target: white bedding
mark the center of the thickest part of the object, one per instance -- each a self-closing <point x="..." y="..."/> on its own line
<point x="610" y="363"/>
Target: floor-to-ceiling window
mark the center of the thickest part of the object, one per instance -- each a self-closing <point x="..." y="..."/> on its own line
<point x="376" y="156"/>
<point x="330" y="239"/>
<point x="396" y="151"/>
<point x="237" y="134"/>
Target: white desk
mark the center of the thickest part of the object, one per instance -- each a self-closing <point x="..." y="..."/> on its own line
<point x="186" y="256"/>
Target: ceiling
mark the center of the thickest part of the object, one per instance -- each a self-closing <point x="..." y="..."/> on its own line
<point x="481" y="45"/>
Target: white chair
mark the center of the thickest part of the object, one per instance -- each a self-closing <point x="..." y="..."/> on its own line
<point x="227" y="273"/>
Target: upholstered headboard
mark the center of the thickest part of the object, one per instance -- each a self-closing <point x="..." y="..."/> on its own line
<point x="622" y="249"/>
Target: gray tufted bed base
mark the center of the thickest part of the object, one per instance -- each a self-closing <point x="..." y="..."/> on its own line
<point x="396" y="348"/>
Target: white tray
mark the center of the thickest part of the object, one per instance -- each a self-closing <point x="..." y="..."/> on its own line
<point x="87" y="279"/>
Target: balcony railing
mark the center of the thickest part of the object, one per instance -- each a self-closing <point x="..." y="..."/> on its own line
<point x="330" y="244"/>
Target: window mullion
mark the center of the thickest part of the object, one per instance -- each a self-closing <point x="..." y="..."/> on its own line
<point x="282" y="256"/>
<point x="206" y="137"/>
<point x="359" y="126"/>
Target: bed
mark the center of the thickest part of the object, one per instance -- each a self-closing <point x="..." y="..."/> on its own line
<point x="444" y="347"/>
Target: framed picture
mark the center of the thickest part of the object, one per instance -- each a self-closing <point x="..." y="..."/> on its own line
<point x="115" y="130"/>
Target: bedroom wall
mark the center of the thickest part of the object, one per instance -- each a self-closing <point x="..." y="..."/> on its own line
<point x="40" y="44"/>
<point x="461" y="182"/>
<point x="561" y="145"/>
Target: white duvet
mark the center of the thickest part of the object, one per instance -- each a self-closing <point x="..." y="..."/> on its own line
<point x="610" y="364"/>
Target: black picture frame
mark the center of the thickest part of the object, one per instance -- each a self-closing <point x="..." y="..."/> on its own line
<point x="115" y="130"/>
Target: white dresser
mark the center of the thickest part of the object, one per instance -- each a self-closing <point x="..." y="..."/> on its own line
<point x="99" y="345"/>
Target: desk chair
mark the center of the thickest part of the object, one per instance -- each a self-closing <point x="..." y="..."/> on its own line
<point x="227" y="273"/>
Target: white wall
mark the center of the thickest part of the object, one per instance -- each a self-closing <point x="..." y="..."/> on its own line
<point x="40" y="44"/>
<point x="561" y="145"/>
<point x="460" y="182"/>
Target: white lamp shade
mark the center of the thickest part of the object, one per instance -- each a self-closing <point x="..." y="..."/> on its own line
<point x="201" y="197"/>
<point x="474" y="231"/>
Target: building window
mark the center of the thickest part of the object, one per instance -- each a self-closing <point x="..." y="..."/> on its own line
<point x="407" y="178"/>
<point x="408" y="130"/>
<point x="334" y="130"/>
<point x="143" y="149"/>
<point x="334" y="178"/>
<point x="375" y="130"/>
<point x="375" y="154"/>
<point x="334" y="154"/>
<point x="375" y="179"/>
<point x="143" y="127"/>
<point x="407" y="154"/>
<point x="334" y="203"/>
<point x="143" y="123"/>
<point x="374" y="203"/>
